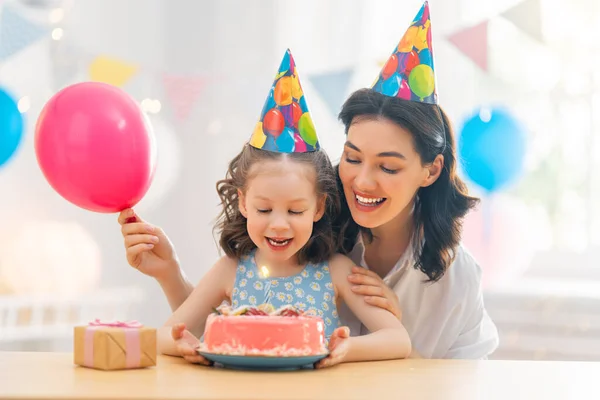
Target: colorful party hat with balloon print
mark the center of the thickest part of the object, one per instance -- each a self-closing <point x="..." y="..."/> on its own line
<point x="409" y="72"/>
<point x="285" y="124"/>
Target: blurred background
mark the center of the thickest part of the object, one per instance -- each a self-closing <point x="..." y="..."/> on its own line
<point x="519" y="78"/>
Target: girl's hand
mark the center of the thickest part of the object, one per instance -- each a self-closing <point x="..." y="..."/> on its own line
<point x="376" y="292"/>
<point x="148" y="248"/>
<point x="339" y="344"/>
<point x="187" y="344"/>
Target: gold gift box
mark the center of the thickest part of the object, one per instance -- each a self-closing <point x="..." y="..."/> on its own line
<point x="110" y="347"/>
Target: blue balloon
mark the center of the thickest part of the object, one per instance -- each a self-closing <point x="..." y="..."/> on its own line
<point x="285" y="64"/>
<point x="378" y="87"/>
<point x="270" y="144"/>
<point x="425" y="57"/>
<point x="491" y="147"/>
<point x="419" y="14"/>
<point x="11" y="127"/>
<point x="303" y="105"/>
<point x="391" y="85"/>
<point x="285" y="142"/>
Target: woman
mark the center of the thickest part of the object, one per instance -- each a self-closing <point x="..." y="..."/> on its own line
<point x="402" y="214"/>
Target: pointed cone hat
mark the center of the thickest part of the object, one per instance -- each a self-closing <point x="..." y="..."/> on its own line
<point x="409" y="73"/>
<point x="285" y="124"/>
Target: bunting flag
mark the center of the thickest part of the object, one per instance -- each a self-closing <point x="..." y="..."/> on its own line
<point x="473" y="42"/>
<point x="183" y="91"/>
<point x="527" y="17"/>
<point x="111" y="71"/>
<point x="332" y="87"/>
<point x="17" y="32"/>
<point x="69" y="64"/>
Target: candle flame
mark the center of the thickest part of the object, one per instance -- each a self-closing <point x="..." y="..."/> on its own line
<point x="264" y="271"/>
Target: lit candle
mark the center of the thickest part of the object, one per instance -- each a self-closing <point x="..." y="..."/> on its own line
<point x="264" y="272"/>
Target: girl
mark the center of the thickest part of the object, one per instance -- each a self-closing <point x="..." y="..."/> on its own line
<point x="277" y="206"/>
<point x="403" y="204"/>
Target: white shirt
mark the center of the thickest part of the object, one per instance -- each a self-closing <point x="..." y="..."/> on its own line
<point x="445" y="319"/>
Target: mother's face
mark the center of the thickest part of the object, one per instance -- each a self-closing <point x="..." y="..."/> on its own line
<point x="381" y="171"/>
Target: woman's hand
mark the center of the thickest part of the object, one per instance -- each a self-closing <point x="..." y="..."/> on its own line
<point x="376" y="292"/>
<point x="339" y="344"/>
<point x="148" y="249"/>
<point x="187" y="345"/>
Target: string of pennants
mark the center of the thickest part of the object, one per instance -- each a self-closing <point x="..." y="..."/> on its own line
<point x="472" y="41"/>
<point x="17" y="33"/>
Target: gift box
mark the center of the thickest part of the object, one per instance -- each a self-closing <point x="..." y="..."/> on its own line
<point x="115" y="345"/>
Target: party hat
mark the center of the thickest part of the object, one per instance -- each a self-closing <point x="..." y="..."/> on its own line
<point x="285" y="124"/>
<point x="409" y="73"/>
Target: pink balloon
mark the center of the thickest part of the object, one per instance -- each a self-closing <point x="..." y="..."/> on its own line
<point x="300" y="146"/>
<point x="501" y="235"/>
<point x="404" y="91"/>
<point x="96" y="147"/>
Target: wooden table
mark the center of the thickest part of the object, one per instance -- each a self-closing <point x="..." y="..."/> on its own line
<point x="53" y="376"/>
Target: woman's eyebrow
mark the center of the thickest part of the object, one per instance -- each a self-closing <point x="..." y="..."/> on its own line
<point x="383" y="154"/>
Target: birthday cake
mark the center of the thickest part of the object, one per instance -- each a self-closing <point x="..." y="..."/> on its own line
<point x="264" y="331"/>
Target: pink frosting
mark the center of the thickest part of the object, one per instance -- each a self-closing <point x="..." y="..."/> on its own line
<point x="264" y="335"/>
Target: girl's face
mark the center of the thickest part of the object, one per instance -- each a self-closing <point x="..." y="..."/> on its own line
<point x="381" y="172"/>
<point x="280" y="205"/>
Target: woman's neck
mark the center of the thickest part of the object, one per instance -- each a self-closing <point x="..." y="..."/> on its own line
<point x="390" y="241"/>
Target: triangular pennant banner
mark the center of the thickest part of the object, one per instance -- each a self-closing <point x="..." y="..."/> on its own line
<point x="527" y="17"/>
<point x="17" y="32"/>
<point x="332" y="87"/>
<point x="111" y="71"/>
<point x="473" y="42"/>
<point x="183" y="91"/>
<point x="68" y="64"/>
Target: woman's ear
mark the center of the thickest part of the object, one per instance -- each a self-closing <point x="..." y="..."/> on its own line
<point x="242" y="204"/>
<point x="320" y="208"/>
<point x="433" y="171"/>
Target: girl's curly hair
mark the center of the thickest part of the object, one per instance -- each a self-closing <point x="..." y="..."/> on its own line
<point x="234" y="238"/>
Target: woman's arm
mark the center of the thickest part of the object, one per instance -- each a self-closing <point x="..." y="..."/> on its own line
<point x="375" y="291"/>
<point x="213" y="288"/>
<point x="388" y="338"/>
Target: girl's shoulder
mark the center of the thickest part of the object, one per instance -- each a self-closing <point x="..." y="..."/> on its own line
<point x="227" y="264"/>
<point x="221" y="276"/>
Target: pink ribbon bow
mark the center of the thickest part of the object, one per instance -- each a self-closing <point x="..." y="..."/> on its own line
<point x="116" y="324"/>
<point x="132" y="341"/>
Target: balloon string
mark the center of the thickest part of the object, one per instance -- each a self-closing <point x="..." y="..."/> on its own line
<point x="487" y="226"/>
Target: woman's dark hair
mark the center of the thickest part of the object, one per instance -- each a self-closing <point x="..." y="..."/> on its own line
<point x="234" y="238"/>
<point x="439" y="207"/>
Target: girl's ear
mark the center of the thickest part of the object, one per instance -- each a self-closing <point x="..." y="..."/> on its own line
<point x="320" y="208"/>
<point x="242" y="204"/>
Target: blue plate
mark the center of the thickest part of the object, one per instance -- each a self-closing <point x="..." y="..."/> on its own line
<point x="262" y="363"/>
